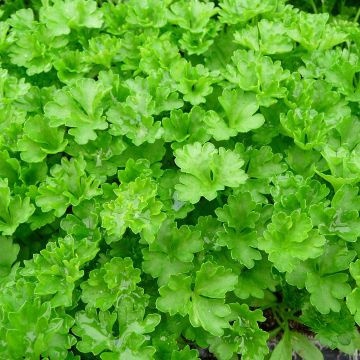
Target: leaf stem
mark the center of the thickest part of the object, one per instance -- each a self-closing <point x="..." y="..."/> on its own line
<point x="312" y="3"/>
<point x="342" y="6"/>
<point x="323" y="9"/>
<point x="357" y="16"/>
<point x="274" y="332"/>
<point x="277" y="317"/>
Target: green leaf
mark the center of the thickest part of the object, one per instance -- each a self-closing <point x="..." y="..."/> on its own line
<point x="150" y="13"/>
<point x="194" y="82"/>
<point x="71" y="66"/>
<point x="355" y="271"/>
<point x="33" y="329"/>
<point x="352" y="302"/>
<point x="57" y="268"/>
<point x="175" y="296"/>
<point x="340" y="255"/>
<point x="295" y="192"/>
<point x="346" y="199"/>
<point x="186" y="127"/>
<point x="211" y="314"/>
<point x="213" y="281"/>
<point x="239" y="212"/>
<point x="289" y="239"/>
<point x="312" y="32"/>
<point x="31" y="44"/>
<point x="79" y="107"/>
<point x="345" y="213"/>
<point x="307" y="127"/>
<point x="240" y="109"/>
<point x="8" y="254"/>
<point x="254" y="281"/>
<point x="205" y="304"/>
<point x="268" y="37"/>
<point x="143" y="130"/>
<point x="336" y="329"/>
<point x="207" y="170"/>
<point x="232" y="13"/>
<point x="326" y="292"/>
<point x="264" y="164"/>
<point x="283" y="350"/>
<point x="68" y="185"/>
<point x="14" y="210"/>
<point x="257" y="73"/>
<point x="9" y="168"/>
<point x="185" y="354"/>
<point x="102" y="50"/>
<point x="101" y="155"/>
<point x="106" y="285"/>
<point x="197" y="25"/>
<point x="172" y="252"/>
<point x="252" y="343"/>
<point x="95" y="332"/>
<point x="243" y="246"/>
<point x="63" y="16"/>
<point x="305" y="347"/>
<point x="193" y="16"/>
<point x="40" y="139"/>
<point x="135" y="207"/>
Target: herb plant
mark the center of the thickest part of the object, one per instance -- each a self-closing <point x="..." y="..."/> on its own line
<point x="178" y="175"/>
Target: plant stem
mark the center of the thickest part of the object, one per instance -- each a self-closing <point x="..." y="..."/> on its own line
<point x="277" y="317"/>
<point x="274" y="332"/>
<point x="313" y="6"/>
<point x="357" y="16"/>
<point x="323" y="6"/>
<point x="342" y="6"/>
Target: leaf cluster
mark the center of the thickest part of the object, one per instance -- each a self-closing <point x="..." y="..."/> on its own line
<point x="177" y="175"/>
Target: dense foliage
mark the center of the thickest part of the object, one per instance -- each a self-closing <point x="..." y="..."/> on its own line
<point x="177" y="175"/>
